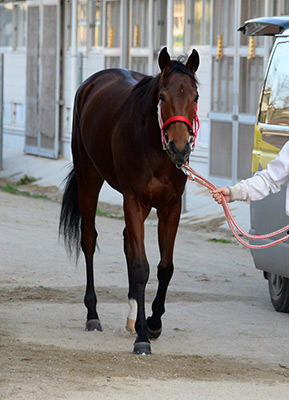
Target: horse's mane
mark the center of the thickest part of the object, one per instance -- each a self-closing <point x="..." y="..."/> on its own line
<point x="179" y="67"/>
<point x="145" y="92"/>
<point x="142" y="86"/>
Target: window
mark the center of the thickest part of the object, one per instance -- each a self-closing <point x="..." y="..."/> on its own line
<point x="13" y="25"/>
<point x="223" y="23"/>
<point x="112" y="23"/>
<point x="140" y="23"/>
<point x="82" y="24"/>
<point x="96" y="28"/>
<point x="275" y="97"/>
<point x="199" y="22"/>
<point x="179" y="24"/>
<point x="252" y="9"/>
<point x="6" y="26"/>
<point x="192" y="23"/>
<point x="281" y="7"/>
<point x="250" y="84"/>
<point x="67" y="23"/>
<point x="223" y="85"/>
<point x="89" y="23"/>
<point x="20" y="28"/>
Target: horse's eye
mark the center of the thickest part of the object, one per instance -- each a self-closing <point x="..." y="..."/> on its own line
<point x="196" y="98"/>
<point x="162" y="97"/>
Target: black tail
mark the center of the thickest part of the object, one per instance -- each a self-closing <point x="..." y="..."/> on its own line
<point x="70" y="219"/>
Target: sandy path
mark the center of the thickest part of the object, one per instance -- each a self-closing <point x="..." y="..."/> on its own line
<point x="221" y="337"/>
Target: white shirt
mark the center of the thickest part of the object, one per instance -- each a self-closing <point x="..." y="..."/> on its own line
<point x="266" y="181"/>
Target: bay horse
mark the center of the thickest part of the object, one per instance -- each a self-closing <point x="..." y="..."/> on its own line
<point x="122" y="123"/>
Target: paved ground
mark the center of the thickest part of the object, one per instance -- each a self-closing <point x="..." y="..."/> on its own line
<point x="221" y="337"/>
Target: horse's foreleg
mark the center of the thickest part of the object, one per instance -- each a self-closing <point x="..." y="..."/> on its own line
<point x="138" y="269"/>
<point x="132" y="313"/>
<point x="87" y="205"/>
<point x="167" y="229"/>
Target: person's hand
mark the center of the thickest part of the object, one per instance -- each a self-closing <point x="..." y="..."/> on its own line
<point x="221" y="191"/>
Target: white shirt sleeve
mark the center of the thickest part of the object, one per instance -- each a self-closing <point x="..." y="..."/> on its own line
<point x="266" y="181"/>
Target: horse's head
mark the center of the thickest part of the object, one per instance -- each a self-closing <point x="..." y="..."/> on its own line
<point x="178" y="96"/>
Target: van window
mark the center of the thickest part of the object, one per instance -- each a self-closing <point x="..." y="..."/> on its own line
<point x="275" y="97"/>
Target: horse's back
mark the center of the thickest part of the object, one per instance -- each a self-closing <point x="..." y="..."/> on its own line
<point x="99" y="103"/>
<point x="110" y="83"/>
<point x="101" y="99"/>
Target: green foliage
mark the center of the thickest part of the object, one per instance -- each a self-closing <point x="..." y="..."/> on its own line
<point x="221" y="240"/>
<point x="12" y="189"/>
<point x="106" y="214"/>
<point x="25" y="180"/>
<point x="8" y="188"/>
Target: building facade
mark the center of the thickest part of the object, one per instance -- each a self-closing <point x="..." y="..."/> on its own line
<point x="51" y="46"/>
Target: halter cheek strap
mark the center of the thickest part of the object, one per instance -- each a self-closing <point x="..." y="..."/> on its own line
<point x="179" y="118"/>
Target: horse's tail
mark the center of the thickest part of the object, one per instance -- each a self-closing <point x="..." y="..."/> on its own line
<point x="70" y="219"/>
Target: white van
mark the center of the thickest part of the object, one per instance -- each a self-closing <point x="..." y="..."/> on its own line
<point x="271" y="132"/>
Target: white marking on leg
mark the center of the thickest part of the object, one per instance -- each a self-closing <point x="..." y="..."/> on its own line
<point x="132" y="313"/>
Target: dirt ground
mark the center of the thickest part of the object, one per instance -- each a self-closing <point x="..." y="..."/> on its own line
<point x="221" y="337"/>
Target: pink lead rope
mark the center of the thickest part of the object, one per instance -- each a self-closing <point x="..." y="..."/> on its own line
<point x="194" y="176"/>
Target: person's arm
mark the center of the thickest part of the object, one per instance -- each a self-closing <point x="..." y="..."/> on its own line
<point x="262" y="183"/>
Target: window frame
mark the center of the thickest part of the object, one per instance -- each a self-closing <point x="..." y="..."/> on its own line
<point x="15" y="6"/>
<point x="263" y="117"/>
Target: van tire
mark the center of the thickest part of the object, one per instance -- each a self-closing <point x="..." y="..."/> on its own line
<point x="279" y="292"/>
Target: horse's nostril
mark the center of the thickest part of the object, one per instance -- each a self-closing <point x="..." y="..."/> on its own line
<point x="174" y="149"/>
<point x="172" y="146"/>
<point x="179" y="157"/>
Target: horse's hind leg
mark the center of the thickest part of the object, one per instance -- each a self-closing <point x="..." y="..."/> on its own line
<point x="88" y="192"/>
<point x="167" y="229"/>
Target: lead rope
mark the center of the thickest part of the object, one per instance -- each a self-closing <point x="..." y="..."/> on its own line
<point x="194" y="176"/>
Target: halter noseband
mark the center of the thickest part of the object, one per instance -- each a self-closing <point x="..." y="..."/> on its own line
<point x="178" y="118"/>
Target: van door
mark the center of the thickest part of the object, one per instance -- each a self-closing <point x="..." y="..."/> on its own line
<point x="271" y="133"/>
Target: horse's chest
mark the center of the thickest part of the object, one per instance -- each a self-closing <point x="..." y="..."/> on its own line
<point x="161" y="192"/>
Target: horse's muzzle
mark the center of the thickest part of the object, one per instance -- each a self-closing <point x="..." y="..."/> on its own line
<point x="179" y="157"/>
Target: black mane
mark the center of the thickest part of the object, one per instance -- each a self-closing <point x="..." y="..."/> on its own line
<point x="179" y="67"/>
<point x="146" y="90"/>
<point x="145" y="93"/>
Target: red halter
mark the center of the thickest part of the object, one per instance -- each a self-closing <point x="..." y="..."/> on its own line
<point x="179" y="118"/>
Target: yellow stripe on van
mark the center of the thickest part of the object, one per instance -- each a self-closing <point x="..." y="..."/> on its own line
<point x="262" y="153"/>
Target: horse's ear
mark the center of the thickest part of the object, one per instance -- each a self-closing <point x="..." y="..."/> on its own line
<point x="193" y="61"/>
<point x="164" y="60"/>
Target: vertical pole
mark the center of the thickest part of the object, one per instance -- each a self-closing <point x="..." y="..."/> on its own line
<point x="59" y="8"/>
<point x="40" y="77"/>
<point x="1" y="107"/>
<point x="73" y="69"/>
<point x="151" y="38"/>
<point x="235" y="116"/>
<point x="170" y="26"/>
<point x="124" y="24"/>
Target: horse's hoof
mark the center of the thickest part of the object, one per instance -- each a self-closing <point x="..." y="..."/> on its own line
<point x="93" y="325"/>
<point x="154" y="334"/>
<point x="130" y="326"/>
<point x="142" y="348"/>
